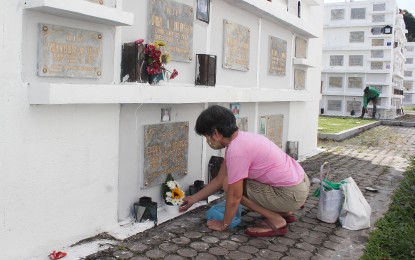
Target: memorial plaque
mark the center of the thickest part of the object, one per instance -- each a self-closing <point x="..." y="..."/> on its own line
<point x="337" y="14"/>
<point x="355" y="60"/>
<point x="376" y="65"/>
<point x="336" y="60"/>
<point x="355" y="82"/>
<point x="335" y="82"/>
<point x="378" y="87"/>
<point x="277" y="56"/>
<point x="407" y="98"/>
<point x="409" y="48"/>
<point x="236" y="46"/>
<point x="376" y="30"/>
<point x="242" y="123"/>
<point x="378" y="42"/>
<point x="172" y="23"/>
<point x="377" y="53"/>
<point x="357" y="37"/>
<point x="300" y="47"/>
<point x="379" y="7"/>
<point x="334" y="105"/>
<point x="109" y="3"/>
<point x="68" y="52"/>
<point x="407" y="85"/>
<point x="165" y="151"/>
<point x="409" y="60"/>
<point x="299" y="79"/>
<point x="378" y="18"/>
<point x="274" y="127"/>
<point x="407" y="73"/>
<point x="358" y="13"/>
<point x="354" y="105"/>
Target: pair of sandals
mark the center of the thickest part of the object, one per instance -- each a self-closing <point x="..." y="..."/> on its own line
<point x="274" y="231"/>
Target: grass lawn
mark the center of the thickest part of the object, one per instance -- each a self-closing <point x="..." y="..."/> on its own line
<point x="394" y="235"/>
<point x="333" y="125"/>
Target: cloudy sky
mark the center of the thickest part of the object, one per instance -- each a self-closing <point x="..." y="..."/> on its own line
<point x="402" y="4"/>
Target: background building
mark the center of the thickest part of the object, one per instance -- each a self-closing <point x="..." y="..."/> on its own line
<point x="74" y="139"/>
<point x="363" y="46"/>
<point x="409" y="74"/>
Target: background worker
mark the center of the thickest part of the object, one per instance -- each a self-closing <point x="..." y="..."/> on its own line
<point x="370" y="94"/>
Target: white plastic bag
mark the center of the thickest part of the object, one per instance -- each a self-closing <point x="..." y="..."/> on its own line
<point x="355" y="213"/>
<point x="330" y="202"/>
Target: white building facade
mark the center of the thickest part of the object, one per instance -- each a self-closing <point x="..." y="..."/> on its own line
<point x="72" y="135"/>
<point x="362" y="46"/>
<point x="409" y="74"/>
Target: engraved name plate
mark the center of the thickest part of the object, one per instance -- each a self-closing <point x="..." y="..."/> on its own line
<point x="165" y="151"/>
<point x="172" y="23"/>
<point x="334" y="105"/>
<point x="354" y="105"/>
<point x="300" y="47"/>
<point x="68" y="52"/>
<point x="355" y="82"/>
<point x="242" y="123"/>
<point x="335" y="82"/>
<point x="274" y="128"/>
<point x="236" y="46"/>
<point x="277" y="56"/>
<point x="299" y="79"/>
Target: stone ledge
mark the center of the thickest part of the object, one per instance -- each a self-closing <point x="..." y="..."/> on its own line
<point x="348" y="133"/>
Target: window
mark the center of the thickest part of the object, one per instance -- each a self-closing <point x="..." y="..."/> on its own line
<point x="357" y="37"/>
<point x="337" y="14"/>
<point x="376" y="54"/>
<point x="358" y="13"/>
<point x="336" y="60"/>
<point x="356" y="60"/>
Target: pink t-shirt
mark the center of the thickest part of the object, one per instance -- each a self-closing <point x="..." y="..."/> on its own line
<point x="255" y="157"/>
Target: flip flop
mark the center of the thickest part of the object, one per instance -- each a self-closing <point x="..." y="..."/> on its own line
<point x="272" y="233"/>
<point x="290" y="219"/>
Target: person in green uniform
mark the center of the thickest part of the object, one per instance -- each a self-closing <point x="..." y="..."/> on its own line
<point x="370" y="94"/>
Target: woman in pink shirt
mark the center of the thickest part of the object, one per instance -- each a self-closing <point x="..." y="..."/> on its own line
<point x="255" y="173"/>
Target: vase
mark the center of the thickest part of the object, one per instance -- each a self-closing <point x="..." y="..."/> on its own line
<point x="171" y="209"/>
<point x="156" y="78"/>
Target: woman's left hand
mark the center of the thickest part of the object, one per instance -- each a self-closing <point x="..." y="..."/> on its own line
<point x="216" y="225"/>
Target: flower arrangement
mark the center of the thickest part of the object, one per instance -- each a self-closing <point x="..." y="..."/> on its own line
<point x="172" y="193"/>
<point x="157" y="57"/>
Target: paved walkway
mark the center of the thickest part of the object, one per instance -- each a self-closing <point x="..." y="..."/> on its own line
<point x="375" y="158"/>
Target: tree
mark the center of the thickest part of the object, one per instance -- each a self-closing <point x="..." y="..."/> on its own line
<point x="409" y="20"/>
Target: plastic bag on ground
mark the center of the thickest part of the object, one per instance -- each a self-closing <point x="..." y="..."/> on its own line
<point x="217" y="212"/>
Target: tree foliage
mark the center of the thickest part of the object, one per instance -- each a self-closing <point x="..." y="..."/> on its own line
<point x="409" y="20"/>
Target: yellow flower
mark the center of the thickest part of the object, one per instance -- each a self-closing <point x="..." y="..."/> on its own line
<point x="165" y="58"/>
<point x="160" y="43"/>
<point x="177" y="193"/>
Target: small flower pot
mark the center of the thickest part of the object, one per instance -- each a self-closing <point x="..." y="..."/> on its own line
<point x="171" y="209"/>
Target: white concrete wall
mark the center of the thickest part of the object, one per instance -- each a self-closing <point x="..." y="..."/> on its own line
<point x="58" y="164"/>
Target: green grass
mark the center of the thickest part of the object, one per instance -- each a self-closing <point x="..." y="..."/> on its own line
<point x="409" y="108"/>
<point x="394" y="234"/>
<point x="333" y="125"/>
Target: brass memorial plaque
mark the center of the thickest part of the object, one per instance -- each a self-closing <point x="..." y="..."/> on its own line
<point x="165" y="151"/>
<point x="236" y="46"/>
<point x="274" y="128"/>
<point x="172" y="23"/>
<point x="68" y="52"/>
<point x="277" y="56"/>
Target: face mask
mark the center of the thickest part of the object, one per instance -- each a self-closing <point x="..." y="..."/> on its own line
<point x="216" y="145"/>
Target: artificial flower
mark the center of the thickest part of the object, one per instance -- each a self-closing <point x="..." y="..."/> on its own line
<point x="172" y="193"/>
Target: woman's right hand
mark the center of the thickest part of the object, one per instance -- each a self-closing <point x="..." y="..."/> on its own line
<point x="187" y="203"/>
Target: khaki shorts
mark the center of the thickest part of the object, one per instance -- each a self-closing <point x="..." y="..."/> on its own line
<point x="278" y="199"/>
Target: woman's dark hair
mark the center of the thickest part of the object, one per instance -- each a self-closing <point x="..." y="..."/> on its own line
<point x="216" y="117"/>
<point x="366" y="90"/>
